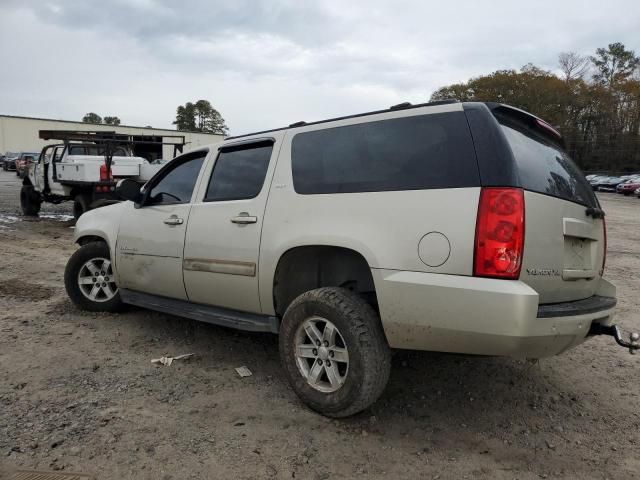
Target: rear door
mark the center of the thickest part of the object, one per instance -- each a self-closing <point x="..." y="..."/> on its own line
<point x="223" y="236"/>
<point x="564" y="236"/>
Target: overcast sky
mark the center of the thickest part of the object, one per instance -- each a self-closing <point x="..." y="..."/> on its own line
<point x="265" y="64"/>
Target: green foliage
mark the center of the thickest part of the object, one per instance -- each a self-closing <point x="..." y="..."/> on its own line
<point x="615" y="64"/>
<point x="200" y="117"/>
<point x="92" y="118"/>
<point x="599" y="119"/>
<point x="97" y="119"/>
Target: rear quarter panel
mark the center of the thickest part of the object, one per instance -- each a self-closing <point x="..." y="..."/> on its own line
<point x="384" y="227"/>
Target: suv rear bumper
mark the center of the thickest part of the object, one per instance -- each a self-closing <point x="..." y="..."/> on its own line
<point x="451" y="313"/>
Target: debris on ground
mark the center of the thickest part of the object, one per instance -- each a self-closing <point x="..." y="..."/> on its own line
<point x="167" y="361"/>
<point x="244" y="371"/>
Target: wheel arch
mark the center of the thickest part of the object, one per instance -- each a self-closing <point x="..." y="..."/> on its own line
<point x="306" y="267"/>
<point x="84" y="239"/>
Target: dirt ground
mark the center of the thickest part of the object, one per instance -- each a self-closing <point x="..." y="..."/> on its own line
<point x="78" y="391"/>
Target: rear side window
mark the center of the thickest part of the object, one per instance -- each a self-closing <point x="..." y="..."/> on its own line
<point x="543" y="165"/>
<point x="239" y="174"/>
<point x="409" y="153"/>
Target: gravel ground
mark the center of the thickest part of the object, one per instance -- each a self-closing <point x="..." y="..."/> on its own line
<point x="78" y="391"/>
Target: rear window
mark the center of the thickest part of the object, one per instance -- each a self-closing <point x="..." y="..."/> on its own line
<point x="543" y="165"/>
<point x="409" y="153"/>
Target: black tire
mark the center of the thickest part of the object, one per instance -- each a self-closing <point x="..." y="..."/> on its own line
<point x="80" y="205"/>
<point x="93" y="250"/>
<point x="369" y="354"/>
<point x="30" y="201"/>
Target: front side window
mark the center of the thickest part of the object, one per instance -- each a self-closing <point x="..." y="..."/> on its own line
<point x="409" y="153"/>
<point x="239" y="173"/>
<point x="177" y="185"/>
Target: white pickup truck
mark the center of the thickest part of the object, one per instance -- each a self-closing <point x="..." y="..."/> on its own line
<point x="85" y="173"/>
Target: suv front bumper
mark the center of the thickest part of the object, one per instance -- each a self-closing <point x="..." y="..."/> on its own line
<point x="451" y="313"/>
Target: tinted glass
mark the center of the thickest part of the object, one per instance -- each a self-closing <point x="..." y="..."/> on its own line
<point x="410" y="153"/>
<point x="544" y="166"/>
<point x="177" y="185"/>
<point x="239" y="174"/>
<point x="77" y="150"/>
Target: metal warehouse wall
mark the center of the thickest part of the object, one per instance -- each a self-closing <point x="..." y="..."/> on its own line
<point x="20" y="134"/>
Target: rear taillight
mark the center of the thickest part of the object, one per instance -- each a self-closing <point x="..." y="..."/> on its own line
<point x="499" y="244"/>
<point x="105" y="175"/>
<point x="604" y="253"/>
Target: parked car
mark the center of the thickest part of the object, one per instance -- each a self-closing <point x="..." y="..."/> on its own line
<point x="2" y="158"/>
<point x="84" y="169"/>
<point x="628" y="186"/>
<point x="607" y="184"/>
<point x="352" y="236"/>
<point x="637" y="193"/>
<point x="594" y="181"/>
<point x="24" y="161"/>
<point x="10" y="162"/>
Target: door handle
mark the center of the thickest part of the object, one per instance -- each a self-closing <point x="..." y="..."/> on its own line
<point x="174" y="221"/>
<point x="244" y="219"/>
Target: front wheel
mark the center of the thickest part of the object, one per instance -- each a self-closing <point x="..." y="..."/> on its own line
<point x="334" y="351"/>
<point x="89" y="280"/>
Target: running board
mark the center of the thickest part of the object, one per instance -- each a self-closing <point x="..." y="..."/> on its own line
<point x="251" y="322"/>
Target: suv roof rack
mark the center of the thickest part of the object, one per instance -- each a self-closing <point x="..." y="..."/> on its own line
<point x="400" y="106"/>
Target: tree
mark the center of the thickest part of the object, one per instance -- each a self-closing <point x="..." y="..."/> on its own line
<point x="599" y="117"/>
<point x="186" y="117"/>
<point x="615" y="64"/>
<point x="92" y="118"/>
<point x="111" y="120"/>
<point x="200" y="117"/>
<point x="573" y="65"/>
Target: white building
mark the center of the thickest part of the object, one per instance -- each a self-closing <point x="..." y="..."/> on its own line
<point x="20" y="134"/>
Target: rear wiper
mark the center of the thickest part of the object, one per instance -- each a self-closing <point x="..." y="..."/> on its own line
<point x="594" y="212"/>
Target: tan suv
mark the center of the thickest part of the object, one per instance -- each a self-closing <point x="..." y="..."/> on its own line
<point x="445" y="226"/>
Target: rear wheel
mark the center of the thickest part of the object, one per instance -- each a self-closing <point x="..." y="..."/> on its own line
<point x="30" y="201"/>
<point x="80" y="205"/>
<point x="334" y="351"/>
<point x="89" y="280"/>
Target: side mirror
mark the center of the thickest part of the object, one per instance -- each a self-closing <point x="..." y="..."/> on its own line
<point x="128" y="189"/>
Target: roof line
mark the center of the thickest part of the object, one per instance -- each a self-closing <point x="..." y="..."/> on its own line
<point x="107" y="125"/>
<point x="400" y="106"/>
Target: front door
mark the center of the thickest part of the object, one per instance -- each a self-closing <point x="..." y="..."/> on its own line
<point x="151" y="236"/>
<point x="223" y="235"/>
<point x="49" y="169"/>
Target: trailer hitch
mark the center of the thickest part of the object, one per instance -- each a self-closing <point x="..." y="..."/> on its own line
<point x="634" y="338"/>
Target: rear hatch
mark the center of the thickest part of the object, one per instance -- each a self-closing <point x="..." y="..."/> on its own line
<point x="564" y="243"/>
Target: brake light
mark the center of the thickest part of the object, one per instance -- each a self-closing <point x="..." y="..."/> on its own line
<point x="105" y="175"/>
<point x="499" y="244"/>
